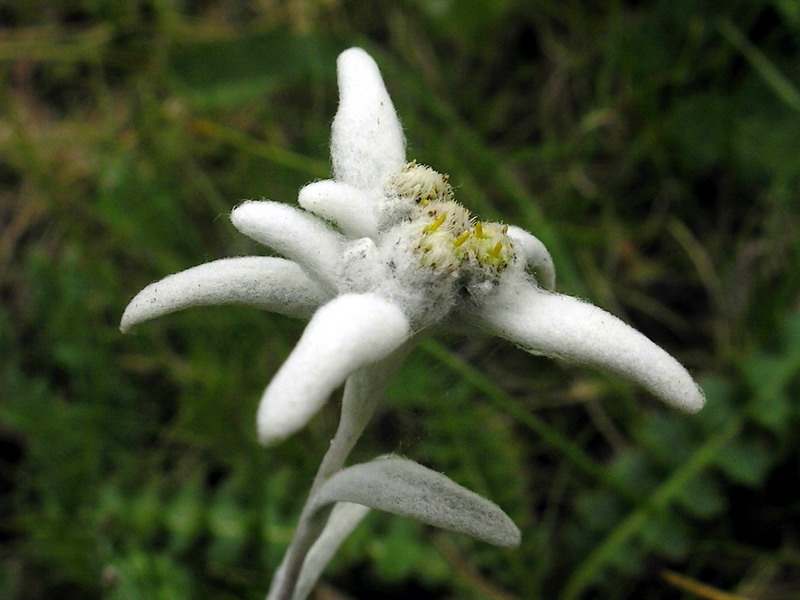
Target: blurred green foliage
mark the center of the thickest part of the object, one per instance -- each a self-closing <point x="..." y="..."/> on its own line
<point x="652" y="145"/>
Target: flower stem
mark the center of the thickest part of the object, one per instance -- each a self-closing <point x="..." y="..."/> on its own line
<point x="361" y="393"/>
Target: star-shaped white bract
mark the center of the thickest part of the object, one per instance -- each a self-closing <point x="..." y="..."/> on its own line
<point x="381" y="254"/>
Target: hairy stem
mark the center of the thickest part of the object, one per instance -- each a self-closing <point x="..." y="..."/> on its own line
<point x="361" y="393"/>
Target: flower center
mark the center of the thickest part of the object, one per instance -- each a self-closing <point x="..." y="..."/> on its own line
<point x="449" y="241"/>
<point x="419" y="184"/>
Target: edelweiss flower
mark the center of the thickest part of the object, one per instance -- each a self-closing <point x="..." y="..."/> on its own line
<point x="382" y="254"/>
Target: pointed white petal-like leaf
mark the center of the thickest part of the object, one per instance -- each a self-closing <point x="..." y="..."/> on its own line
<point x="293" y="233"/>
<point x="403" y="487"/>
<point x="349" y="332"/>
<point x="351" y="208"/>
<point x="367" y="142"/>
<point x="344" y="518"/>
<point x="536" y="256"/>
<point x="551" y="324"/>
<point x="269" y="283"/>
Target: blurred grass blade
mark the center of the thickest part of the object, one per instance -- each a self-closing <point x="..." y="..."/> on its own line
<point x="696" y="588"/>
<point x="568" y="449"/>
<point x="40" y="43"/>
<point x="586" y="573"/>
<point x="776" y="80"/>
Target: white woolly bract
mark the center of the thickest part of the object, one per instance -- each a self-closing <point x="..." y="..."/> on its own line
<point x="349" y="332"/>
<point x="269" y="283"/>
<point x="551" y="324"/>
<point x="352" y="209"/>
<point x="535" y="254"/>
<point x="293" y="233"/>
<point x="367" y="142"/>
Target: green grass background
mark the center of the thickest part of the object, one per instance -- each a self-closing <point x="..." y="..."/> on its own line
<point x="653" y="145"/>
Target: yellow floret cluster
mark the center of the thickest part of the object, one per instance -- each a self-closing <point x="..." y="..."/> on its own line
<point x="420" y="184"/>
<point x="450" y="239"/>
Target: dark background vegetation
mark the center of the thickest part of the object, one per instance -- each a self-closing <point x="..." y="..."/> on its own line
<point x="653" y="145"/>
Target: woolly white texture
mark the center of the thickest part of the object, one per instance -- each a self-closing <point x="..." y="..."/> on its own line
<point x="270" y="283"/>
<point x="351" y="208"/>
<point x="551" y="324"/>
<point x="406" y="274"/>
<point x="349" y="332"/>
<point x="295" y="234"/>
<point x="403" y="487"/>
<point x="367" y="142"/>
<point x="536" y="255"/>
<point x="344" y="518"/>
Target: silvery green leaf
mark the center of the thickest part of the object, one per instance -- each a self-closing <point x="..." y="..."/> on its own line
<point x="344" y="518"/>
<point x="403" y="487"/>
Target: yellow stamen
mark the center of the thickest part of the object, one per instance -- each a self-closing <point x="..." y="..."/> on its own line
<point x="462" y="238"/>
<point x="436" y="224"/>
<point x="495" y="252"/>
<point x="478" y="229"/>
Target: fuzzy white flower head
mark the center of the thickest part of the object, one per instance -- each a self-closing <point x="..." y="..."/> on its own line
<point x="382" y="253"/>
